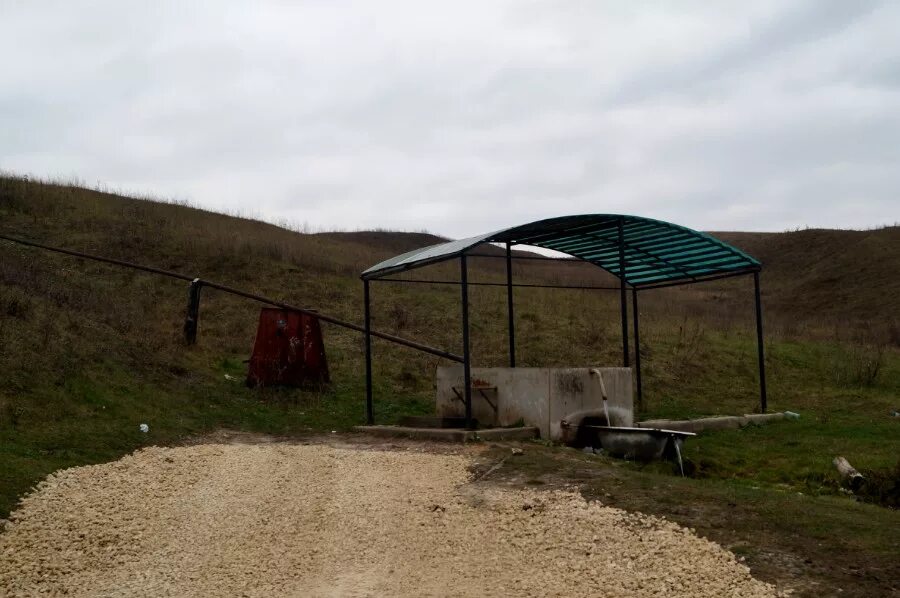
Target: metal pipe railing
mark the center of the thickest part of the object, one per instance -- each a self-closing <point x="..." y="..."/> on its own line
<point x="501" y="284"/>
<point x="225" y="288"/>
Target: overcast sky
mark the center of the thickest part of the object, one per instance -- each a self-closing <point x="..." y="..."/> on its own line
<point x="463" y="117"/>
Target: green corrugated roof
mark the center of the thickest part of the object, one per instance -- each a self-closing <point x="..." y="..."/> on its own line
<point x="655" y="252"/>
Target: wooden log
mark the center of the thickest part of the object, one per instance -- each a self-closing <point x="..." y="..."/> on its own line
<point x="849" y="475"/>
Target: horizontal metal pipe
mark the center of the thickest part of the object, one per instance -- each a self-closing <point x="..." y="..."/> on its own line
<point x="527" y="257"/>
<point x="332" y="320"/>
<point x="500" y="284"/>
<point x="98" y="258"/>
<point x="233" y="291"/>
<point x="664" y="285"/>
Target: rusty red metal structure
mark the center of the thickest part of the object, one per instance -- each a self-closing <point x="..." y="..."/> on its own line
<point x="289" y="350"/>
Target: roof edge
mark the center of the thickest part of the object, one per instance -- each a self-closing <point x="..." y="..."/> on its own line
<point x="656" y="251"/>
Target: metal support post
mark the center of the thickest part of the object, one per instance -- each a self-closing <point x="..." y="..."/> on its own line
<point x="192" y="319"/>
<point x="370" y="413"/>
<point x="509" y="306"/>
<point x="759" y="345"/>
<point x="467" y="360"/>
<point x="623" y="302"/>
<point x="637" y="349"/>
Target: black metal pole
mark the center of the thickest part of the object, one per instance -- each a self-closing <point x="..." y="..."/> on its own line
<point x="759" y="345"/>
<point x="623" y="303"/>
<point x="370" y="413"/>
<point x="467" y="363"/>
<point x="509" y="306"/>
<point x="637" y="349"/>
<point x="192" y="319"/>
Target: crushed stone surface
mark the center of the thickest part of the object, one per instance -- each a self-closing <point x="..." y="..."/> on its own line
<point x="316" y="520"/>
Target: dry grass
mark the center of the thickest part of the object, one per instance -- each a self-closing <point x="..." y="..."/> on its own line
<point x="555" y="327"/>
<point x="77" y="336"/>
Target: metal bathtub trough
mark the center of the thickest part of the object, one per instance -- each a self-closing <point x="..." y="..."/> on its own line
<point x="639" y="444"/>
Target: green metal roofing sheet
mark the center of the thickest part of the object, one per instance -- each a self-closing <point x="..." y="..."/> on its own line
<point x="654" y="251"/>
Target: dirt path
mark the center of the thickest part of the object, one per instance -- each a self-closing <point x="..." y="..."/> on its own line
<point x="315" y="520"/>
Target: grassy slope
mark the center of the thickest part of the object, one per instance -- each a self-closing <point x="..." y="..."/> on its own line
<point x="88" y="351"/>
<point x="829" y="274"/>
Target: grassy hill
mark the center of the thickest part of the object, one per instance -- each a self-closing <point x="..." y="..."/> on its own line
<point x="830" y="276"/>
<point x="88" y="351"/>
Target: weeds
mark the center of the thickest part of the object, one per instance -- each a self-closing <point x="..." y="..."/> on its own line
<point x="881" y="486"/>
<point x="688" y="346"/>
<point x="15" y="306"/>
<point x="13" y="413"/>
<point x="860" y="366"/>
<point x="399" y="317"/>
<point x="893" y="333"/>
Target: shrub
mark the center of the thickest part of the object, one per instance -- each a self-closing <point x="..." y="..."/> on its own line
<point x="860" y="366"/>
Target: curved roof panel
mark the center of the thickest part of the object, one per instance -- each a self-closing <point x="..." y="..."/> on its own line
<point x="651" y="251"/>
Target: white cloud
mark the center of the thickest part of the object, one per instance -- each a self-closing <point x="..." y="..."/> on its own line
<point x="469" y="116"/>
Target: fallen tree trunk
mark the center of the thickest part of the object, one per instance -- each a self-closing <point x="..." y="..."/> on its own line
<point x="849" y="475"/>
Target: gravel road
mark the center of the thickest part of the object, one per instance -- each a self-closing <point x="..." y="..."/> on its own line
<point x="316" y="520"/>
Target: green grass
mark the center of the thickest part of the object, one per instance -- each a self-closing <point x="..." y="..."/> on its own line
<point x="810" y="378"/>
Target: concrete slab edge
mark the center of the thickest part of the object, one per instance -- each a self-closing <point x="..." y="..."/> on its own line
<point x="450" y="434"/>
<point x="708" y="424"/>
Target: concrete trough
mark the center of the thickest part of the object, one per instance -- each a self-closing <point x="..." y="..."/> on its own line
<point x="764" y="418"/>
<point x="539" y="397"/>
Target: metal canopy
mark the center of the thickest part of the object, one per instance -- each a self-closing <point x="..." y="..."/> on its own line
<point x="642" y="252"/>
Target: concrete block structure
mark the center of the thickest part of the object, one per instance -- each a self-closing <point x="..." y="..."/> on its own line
<point x="539" y="397"/>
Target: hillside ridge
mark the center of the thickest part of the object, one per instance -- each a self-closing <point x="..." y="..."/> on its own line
<point x="807" y="274"/>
